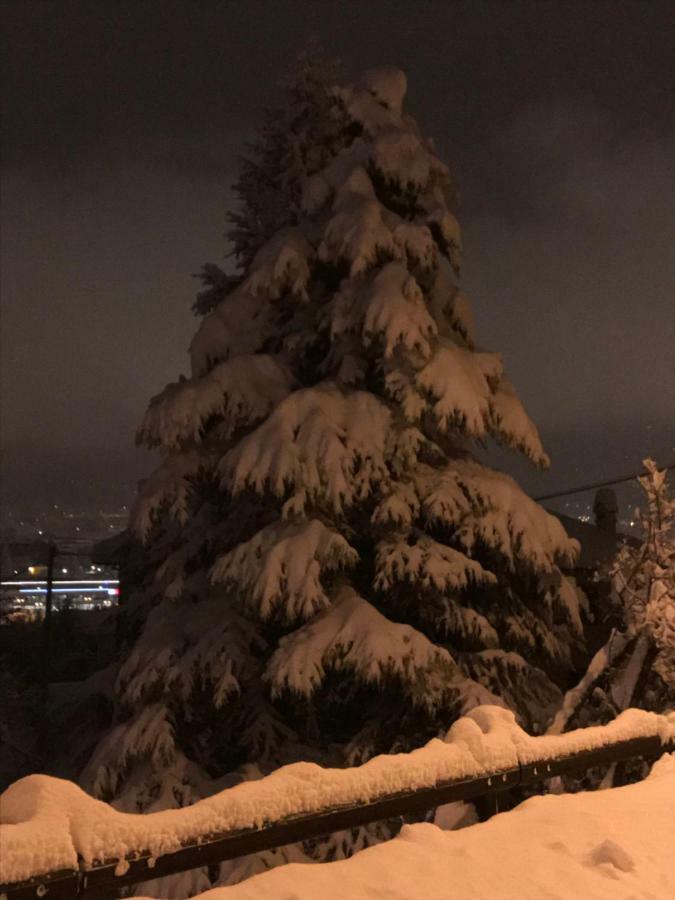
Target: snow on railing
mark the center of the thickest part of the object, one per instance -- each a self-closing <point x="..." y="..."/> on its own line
<point x="59" y="842"/>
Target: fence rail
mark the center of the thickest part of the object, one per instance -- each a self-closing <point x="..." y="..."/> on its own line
<point x="101" y="882"/>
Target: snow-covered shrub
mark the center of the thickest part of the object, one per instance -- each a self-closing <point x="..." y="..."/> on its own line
<point x="644" y="578"/>
<point x="636" y="667"/>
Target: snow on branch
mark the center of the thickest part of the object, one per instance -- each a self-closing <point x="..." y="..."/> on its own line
<point x="446" y="227"/>
<point x="415" y="242"/>
<point x="458" y="382"/>
<point x="356" y="233"/>
<point x="352" y="634"/>
<point x="169" y="486"/>
<point x="400" y="506"/>
<point x="449" y="306"/>
<point x="400" y="155"/>
<point x="239" y="324"/>
<point x="376" y="109"/>
<point x="388" y="85"/>
<point x="512" y="426"/>
<point x="320" y="187"/>
<point x="528" y="633"/>
<point x="401" y="388"/>
<point x="395" y="311"/>
<point x="423" y="562"/>
<point x="605" y="657"/>
<point x="564" y="592"/>
<point x="281" y="265"/>
<point x="183" y="644"/>
<point x="241" y="391"/>
<point x="443" y="495"/>
<point x="177" y="415"/>
<point x="463" y="623"/>
<point x="149" y="733"/>
<point x="281" y="566"/>
<point x="326" y="445"/>
<point x="489" y="507"/>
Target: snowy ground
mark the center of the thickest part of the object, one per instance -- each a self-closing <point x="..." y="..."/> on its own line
<point x="616" y="844"/>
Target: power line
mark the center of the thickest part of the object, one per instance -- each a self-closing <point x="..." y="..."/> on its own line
<point x="599" y="484"/>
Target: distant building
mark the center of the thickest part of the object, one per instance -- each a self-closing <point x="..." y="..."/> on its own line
<point x="600" y="541"/>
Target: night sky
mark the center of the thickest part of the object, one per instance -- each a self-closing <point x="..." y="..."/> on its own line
<point x="121" y="126"/>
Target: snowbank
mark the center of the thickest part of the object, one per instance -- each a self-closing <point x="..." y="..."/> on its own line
<point x="47" y="823"/>
<point x="605" y="845"/>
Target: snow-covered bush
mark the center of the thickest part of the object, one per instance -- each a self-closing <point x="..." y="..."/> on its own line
<point x="644" y="578"/>
<point x="336" y="573"/>
<point x="636" y="667"/>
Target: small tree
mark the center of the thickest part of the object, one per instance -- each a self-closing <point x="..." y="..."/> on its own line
<point x="636" y="667"/>
<point x="644" y="578"/>
<point x="332" y="572"/>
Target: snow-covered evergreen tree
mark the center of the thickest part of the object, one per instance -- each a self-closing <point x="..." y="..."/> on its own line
<point x="332" y="571"/>
<point x="636" y="667"/>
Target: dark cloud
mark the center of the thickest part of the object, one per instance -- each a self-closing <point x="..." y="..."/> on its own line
<point x="122" y="123"/>
<point x="579" y="283"/>
<point x="91" y="78"/>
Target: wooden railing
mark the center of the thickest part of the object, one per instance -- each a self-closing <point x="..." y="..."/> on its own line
<point x="101" y="881"/>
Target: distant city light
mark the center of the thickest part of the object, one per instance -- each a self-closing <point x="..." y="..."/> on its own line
<point x="98" y="581"/>
<point x="96" y="590"/>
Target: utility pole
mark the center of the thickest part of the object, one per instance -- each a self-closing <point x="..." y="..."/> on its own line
<point x="47" y="625"/>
